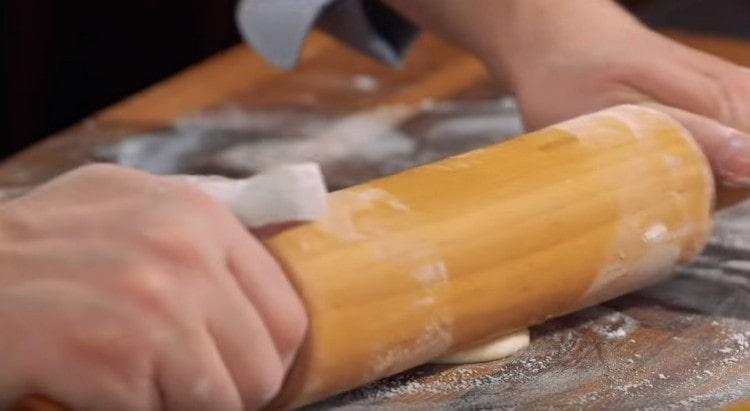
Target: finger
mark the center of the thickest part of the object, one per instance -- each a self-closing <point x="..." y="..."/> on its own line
<point x="246" y="345"/>
<point x="191" y="374"/>
<point x="265" y="284"/>
<point x="727" y="149"/>
<point x="262" y="282"/>
<point x="667" y="85"/>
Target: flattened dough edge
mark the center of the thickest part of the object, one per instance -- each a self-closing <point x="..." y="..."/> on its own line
<point x="502" y="347"/>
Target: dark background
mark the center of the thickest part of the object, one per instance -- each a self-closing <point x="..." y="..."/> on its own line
<point x="62" y="60"/>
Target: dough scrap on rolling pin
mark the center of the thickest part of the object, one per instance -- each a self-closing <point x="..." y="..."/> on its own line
<point x="497" y="349"/>
<point x="288" y="193"/>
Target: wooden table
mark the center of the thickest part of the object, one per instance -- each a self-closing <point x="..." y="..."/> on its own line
<point x="684" y="344"/>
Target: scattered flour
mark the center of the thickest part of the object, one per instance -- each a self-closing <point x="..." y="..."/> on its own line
<point x="614" y="326"/>
<point x="365" y="83"/>
<point x="350" y="147"/>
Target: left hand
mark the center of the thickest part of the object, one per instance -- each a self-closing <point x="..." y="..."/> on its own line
<point x="121" y="290"/>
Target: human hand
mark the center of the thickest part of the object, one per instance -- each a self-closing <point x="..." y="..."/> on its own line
<point x="590" y="55"/>
<point x="121" y="290"/>
<point x="569" y="58"/>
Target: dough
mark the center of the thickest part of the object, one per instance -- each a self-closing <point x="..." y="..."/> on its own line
<point x="502" y="347"/>
<point x="287" y="193"/>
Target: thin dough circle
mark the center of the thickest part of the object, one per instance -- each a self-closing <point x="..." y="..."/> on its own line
<point x="502" y="347"/>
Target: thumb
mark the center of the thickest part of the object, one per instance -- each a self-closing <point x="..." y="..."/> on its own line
<point x="727" y="149"/>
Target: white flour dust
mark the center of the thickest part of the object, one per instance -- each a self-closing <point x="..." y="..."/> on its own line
<point x="350" y="147"/>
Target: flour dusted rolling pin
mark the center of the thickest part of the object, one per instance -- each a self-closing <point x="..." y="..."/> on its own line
<point x="446" y="256"/>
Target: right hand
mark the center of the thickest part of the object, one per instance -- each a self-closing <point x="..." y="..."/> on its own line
<point x="120" y="290"/>
<point x="569" y="58"/>
<point x="589" y="55"/>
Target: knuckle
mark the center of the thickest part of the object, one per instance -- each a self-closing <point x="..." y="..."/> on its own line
<point x="718" y="103"/>
<point x="195" y="198"/>
<point x="618" y="74"/>
<point x="735" y="90"/>
<point x="148" y="285"/>
<point x="176" y="242"/>
<point x="184" y="250"/>
<point x="184" y="205"/>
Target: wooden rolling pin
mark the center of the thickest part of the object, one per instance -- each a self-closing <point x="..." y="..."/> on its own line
<point x="449" y="255"/>
<point x="445" y="256"/>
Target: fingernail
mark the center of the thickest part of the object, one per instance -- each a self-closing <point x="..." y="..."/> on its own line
<point x="734" y="160"/>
